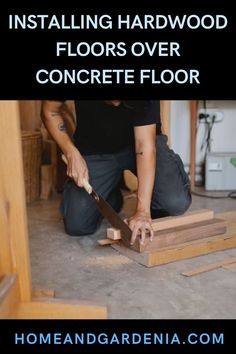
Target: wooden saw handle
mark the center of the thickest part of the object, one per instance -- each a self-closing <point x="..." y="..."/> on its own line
<point x="86" y="184"/>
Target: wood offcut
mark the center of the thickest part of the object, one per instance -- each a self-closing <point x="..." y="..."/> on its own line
<point x="208" y="267"/>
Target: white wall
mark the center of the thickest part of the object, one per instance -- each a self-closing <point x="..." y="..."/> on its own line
<point x="223" y="133"/>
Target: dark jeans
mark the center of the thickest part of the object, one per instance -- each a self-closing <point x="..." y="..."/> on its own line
<point x="171" y="193"/>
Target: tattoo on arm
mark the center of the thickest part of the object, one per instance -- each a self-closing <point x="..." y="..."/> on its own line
<point x="62" y="127"/>
<point x="139" y="153"/>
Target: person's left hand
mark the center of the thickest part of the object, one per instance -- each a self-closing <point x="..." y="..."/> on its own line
<point x="140" y="224"/>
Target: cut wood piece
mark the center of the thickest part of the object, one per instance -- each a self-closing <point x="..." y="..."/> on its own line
<point x="46" y="181"/>
<point x="9" y="296"/>
<point x="181" y="234"/>
<point x="58" y="309"/>
<point x="208" y="267"/>
<point x="113" y="234"/>
<point x="182" y="251"/>
<point x="107" y="242"/>
<point x="229" y="266"/>
<point x="36" y="293"/>
<point x="181" y="220"/>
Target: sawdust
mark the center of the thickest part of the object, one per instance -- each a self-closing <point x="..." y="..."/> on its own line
<point x="109" y="261"/>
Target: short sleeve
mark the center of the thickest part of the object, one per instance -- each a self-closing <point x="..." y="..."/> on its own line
<point x="148" y="114"/>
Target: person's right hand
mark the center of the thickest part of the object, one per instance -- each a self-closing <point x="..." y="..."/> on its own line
<point x="77" y="167"/>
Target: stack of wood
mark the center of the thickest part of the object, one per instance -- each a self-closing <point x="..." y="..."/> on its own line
<point x="192" y="234"/>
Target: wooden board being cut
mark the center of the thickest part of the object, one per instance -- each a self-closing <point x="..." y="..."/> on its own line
<point x="181" y="234"/>
<point x="171" y="222"/>
<point x="187" y="249"/>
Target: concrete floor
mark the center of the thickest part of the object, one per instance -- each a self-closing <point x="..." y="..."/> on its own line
<point x="78" y="268"/>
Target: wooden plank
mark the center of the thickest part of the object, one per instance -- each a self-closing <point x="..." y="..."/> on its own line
<point x="182" y="251"/>
<point x="13" y="219"/>
<point x="107" y="242"/>
<point x="189" y="250"/>
<point x="171" y="222"/>
<point x="208" y="267"/>
<point x="58" y="309"/>
<point x="181" y="220"/>
<point x="9" y="296"/>
<point x="229" y="266"/>
<point x="36" y="293"/>
<point x="182" y="234"/>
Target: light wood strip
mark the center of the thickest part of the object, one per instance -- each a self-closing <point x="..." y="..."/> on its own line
<point x="208" y="267"/>
<point x="61" y="309"/>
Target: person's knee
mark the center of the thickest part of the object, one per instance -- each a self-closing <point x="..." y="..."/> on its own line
<point x="172" y="205"/>
<point x="178" y="204"/>
<point x="80" y="217"/>
<point x="80" y="227"/>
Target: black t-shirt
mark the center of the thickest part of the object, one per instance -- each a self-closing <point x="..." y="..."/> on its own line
<point x="103" y="128"/>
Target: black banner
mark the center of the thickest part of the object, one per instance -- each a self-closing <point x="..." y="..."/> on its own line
<point x="120" y="336"/>
<point x="167" y="51"/>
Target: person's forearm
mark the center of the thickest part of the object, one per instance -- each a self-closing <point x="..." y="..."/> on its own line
<point x="146" y="166"/>
<point x="54" y="122"/>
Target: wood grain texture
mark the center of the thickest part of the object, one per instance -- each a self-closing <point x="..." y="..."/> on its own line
<point x="188" y="249"/>
<point x="59" y="309"/>
<point x="107" y="242"/>
<point x="171" y="222"/>
<point x="181" y="220"/>
<point x="13" y="219"/>
<point x="208" y="267"/>
<point x="181" y="234"/>
<point x="180" y="252"/>
<point x="9" y="296"/>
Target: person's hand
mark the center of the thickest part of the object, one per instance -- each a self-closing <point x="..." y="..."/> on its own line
<point x="141" y="225"/>
<point x="77" y="167"/>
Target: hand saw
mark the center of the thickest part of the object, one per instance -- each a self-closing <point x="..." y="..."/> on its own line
<point x="107" y="211"/>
